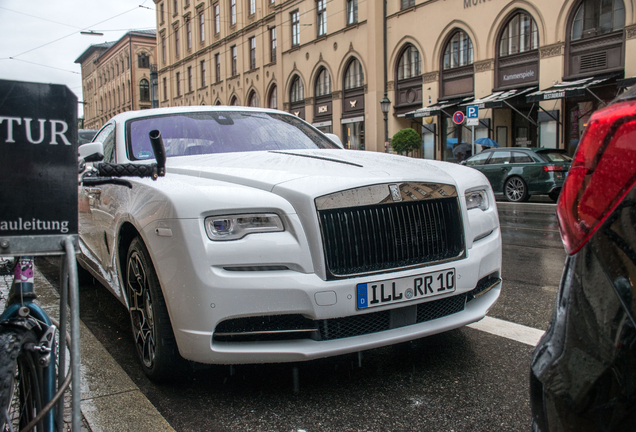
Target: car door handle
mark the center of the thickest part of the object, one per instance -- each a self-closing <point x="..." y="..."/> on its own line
<point x="504" y="168"/>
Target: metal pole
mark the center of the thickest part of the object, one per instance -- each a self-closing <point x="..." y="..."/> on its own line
<point x="386" y="120"/>
<point x="61" y="371"/>
<point x="473" y="132"/>
<point x="75" y="332"/>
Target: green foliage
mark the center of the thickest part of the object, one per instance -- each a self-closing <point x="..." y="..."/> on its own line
<point x="406" y="140"/>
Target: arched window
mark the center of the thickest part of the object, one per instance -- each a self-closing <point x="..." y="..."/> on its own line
<point x="297" y="97"/>
<point x="218" y="102"/>
<point x="354" y="76"/>
<point x="410" y="63"/>
<point x="408" y="88"/>
<point x="323" y="104"/>
<point x="458" y="51"/>
<point x="323" y="84"/>
<point x="273" y="100"/>
<point x="297" y="90"/>
<point x="597" y="17"/>
<point x="253" y="99"/>
<point x="144" y="91"/>
<point x="234" y="101"/>
<point x="520" y="35"/>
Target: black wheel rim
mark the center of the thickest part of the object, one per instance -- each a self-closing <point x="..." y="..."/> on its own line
<point x="515" y="189"/>
<point x="141" y="312"/>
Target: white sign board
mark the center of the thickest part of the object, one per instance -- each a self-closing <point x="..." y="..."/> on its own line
<point x="472" y="122"/>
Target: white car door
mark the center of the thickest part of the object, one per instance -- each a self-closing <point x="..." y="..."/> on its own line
<point x="92" y="215"/>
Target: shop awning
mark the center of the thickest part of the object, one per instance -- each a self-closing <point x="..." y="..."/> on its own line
<point x="499" y="99"/>
<point x="568" y="89"/>
<point x="627" y="82"/>
<point x="436" y="108"/>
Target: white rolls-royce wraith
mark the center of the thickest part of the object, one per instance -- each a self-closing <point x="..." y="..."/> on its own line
<point x="266" y="241"/>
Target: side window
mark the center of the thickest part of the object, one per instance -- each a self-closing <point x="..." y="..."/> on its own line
<point x="479" y="159"/>
<point x="107" y="137"/>
<point x="502" y="157"/>
<point x="521" y="158"/>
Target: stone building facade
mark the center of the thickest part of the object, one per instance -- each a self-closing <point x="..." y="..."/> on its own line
<point x="324" y="61"/>
<point x="116" y="76"/>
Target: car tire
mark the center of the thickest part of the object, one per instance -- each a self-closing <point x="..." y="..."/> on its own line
<point x="152" y="331"/>
<point x="84" y="277"/>
<point x="516" y="189"/>
<point x="554" y="195"/>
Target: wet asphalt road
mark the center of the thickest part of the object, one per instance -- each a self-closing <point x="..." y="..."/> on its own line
<point x="463" y="380"/>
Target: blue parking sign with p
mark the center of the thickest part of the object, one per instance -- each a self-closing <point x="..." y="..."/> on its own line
<point x="472" y="111"/>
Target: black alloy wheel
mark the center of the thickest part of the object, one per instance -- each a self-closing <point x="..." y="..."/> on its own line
<point x="516" y="190"/>
<point x="152" y="330"/>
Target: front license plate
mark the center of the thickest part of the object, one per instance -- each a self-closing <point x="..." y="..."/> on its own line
<point x="373" y="294"/>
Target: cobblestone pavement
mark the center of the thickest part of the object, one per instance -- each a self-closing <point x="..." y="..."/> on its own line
<point x="5" y="284"/>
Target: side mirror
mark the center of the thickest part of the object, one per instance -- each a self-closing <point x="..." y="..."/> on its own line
<point x="463" y="162"/>
<point x="91" y="152"/>
<point x="335" y="139"/>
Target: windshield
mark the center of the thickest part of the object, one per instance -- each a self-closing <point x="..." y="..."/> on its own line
<point x="222" y="132"/>
<point x="556" y="157"/>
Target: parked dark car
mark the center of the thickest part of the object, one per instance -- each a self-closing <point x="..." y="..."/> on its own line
<point x="519" y="172"/>
<point x="583" y="373"/>
<point x="86" y="135"/>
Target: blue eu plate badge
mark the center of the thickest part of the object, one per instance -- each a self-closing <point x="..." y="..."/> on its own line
<point x="362" y="296"/>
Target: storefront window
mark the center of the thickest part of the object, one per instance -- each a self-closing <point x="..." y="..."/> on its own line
<point x="354" y="135"/>
<point x="456" y="141"/>
<point x="325" y="129"/>
<point x="548" y="134"/>
<point x="524" y="132"/>
<point x="578" y="116"/>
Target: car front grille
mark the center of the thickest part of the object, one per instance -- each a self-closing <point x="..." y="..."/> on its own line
<point x="374" y="238"/>
<point x="294" y="326"/>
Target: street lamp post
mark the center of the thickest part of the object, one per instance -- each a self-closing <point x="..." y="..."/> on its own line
<point x="385" y="106"/>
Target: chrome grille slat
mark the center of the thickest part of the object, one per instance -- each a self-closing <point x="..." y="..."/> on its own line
<point x="368" y="239"/>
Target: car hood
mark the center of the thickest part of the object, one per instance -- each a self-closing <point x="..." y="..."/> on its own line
<point x="317" y="170"/>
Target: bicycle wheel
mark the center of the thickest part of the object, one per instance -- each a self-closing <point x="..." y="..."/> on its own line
<point x="20" y="379"/>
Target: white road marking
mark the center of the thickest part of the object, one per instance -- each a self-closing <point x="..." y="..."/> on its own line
<point x="510" y="330"/>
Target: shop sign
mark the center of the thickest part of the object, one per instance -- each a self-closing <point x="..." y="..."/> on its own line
<point x="524" y="74"/>
<point x="38" y="166"/>
<point x="554" y="95"/>
<point x="469" y="3"/>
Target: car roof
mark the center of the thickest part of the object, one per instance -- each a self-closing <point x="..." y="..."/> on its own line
<point x="532" y="149"/>
<point x="189" y="109"/>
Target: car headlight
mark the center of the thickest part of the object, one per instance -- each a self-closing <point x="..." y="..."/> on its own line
<point x="234" y="227"/>
<point x="477" y="199"/>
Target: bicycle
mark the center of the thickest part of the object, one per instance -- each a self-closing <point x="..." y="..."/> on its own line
<point x="33" y="374"/>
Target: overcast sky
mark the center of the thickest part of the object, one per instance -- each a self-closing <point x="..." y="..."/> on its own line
<point x="40" y="39"/>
